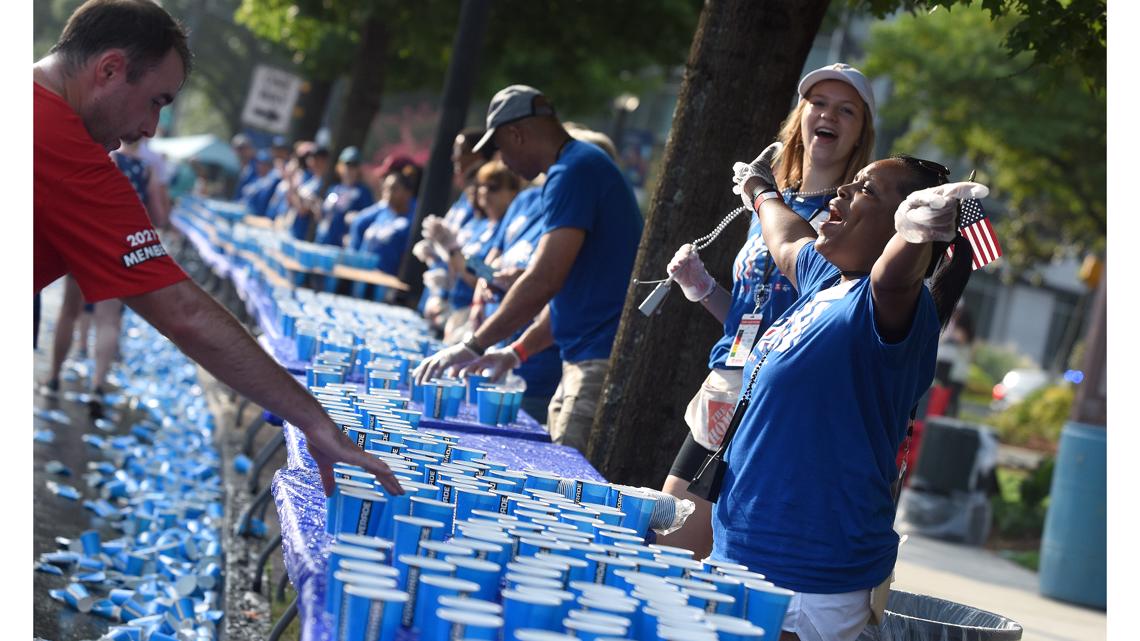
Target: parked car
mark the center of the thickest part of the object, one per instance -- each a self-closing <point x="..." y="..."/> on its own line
<point x="1018" y="384"/>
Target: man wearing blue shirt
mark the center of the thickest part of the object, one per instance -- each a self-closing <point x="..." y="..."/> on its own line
<point x="577" y="280"/>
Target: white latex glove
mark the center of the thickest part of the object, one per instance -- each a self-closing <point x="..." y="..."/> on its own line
<point x="438" y="232"/>
<point x="452" y="357"/>
<point x="746" y="177"/>
<point x="436" y="279"/>
<point x="929" y="215"/>
<point x="495" y="364"/>
<point x="423" y="250"/>
<point x="689" y="272"/>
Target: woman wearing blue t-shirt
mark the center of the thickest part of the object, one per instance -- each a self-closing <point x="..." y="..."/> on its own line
<point x="806" y="496"/>
<point x="827" y="137"/>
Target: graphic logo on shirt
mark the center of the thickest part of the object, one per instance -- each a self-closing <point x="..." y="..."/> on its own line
<point x="515" y="227"/>
<point x="748" y="264"/>
<point x="790" y="329"/>
<point x="143" y="254"/>
<point x="518" y="255"/>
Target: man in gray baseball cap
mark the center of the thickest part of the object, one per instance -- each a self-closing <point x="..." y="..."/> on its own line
<point x="574" y="286"/>
<point x="511" y="104"/>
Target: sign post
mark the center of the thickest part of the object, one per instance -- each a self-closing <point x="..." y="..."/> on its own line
<point x="272" y="95"/>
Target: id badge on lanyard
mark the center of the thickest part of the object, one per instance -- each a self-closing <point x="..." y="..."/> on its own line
<point x="746" y="335"/>
<point x="749" y="328"/>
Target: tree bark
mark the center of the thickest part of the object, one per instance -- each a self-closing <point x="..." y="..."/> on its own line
<point x="365" y="87"/>
<point x="311" y="104"/>
<point x="436" y="189"/>
<point x="739" y="83"/>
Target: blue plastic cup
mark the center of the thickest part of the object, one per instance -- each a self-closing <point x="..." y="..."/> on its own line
<point x="539" y="480"/>
<point x="437" y="511"/>
<point x="465" y="624"/>
<point x="380" y="379"/>
<point x="434" y="399"/>
<point x="360" y="512"/>
<point x="483" y="573"/>
<point x="334" y="589"/>
<point x="473" y="382"/>
<point x="765" y="605"/>
<point x="490" y="405"/>
<point x="533" y="634"/>
<point x="76" y="596"/>
<point x="495" y="548"/>
<point x="90" y="543"/>
<point x="470" y="603"/>
<point x="427" y="598"/>
<point x="513" y="401"/>
<point x="368" y="609"/>
<point x="638" y="508"/>
<point x="590" y="491"/>
<point x="731" y="628"/>
<point x="413" y="568"/>
<point x="409" y="531"/>
<point x="469" y="499"/>
<point x="532" y="609"/>
<point x="587" y="630"/>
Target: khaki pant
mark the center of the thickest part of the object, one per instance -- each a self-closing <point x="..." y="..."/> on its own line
<point x="571" y="412"/>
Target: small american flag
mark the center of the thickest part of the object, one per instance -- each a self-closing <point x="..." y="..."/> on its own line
<point x="977" y="229"/>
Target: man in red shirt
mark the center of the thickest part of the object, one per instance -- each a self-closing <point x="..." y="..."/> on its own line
<point x="116" y="64"/>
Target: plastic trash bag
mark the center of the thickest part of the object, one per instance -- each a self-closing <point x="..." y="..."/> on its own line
<point x="916" y="617"/>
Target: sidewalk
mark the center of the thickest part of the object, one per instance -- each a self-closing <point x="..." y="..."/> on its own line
<point x="979" y="578"/>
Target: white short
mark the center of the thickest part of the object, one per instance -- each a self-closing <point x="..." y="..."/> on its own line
<point x="828" y="617"/>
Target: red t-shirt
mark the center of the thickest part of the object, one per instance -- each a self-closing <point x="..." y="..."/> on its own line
<point x="88" y="220"/>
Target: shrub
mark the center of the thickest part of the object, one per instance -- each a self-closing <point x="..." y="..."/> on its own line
<point x="995" y="360"/>
<point x="1020" y="506"/>
<point x="979" y="382"/>
<point x="1037" y="420"/>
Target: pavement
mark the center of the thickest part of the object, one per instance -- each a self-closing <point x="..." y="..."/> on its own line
<point x="980" y="578"/>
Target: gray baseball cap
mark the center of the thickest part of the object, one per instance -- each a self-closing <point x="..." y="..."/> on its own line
<point x="513" y="103"/>
<point x="842" y="73"/>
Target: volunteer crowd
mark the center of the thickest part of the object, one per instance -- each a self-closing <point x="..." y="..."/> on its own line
<point x="528" y="272"/>
<point x="831" y="318"/>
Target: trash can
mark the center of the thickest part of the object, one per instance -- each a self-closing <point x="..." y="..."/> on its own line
<point x="916" y="617"/>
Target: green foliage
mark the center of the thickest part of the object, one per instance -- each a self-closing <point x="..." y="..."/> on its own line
<point x="581" y="52"/>
<point x="978" y="381"/>
<point x="1035" y="133"/>
<point x="1037" y="420"/>
<point x="995" y="360"/>
<point x="1058" y="32"/>
<point x="1022" y="502"/>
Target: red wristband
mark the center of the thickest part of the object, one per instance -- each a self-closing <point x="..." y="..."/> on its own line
<point x="759" y="200"/>
<point x="520" y="351"/>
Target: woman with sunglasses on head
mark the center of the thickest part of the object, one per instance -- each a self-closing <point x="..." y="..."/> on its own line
<point x="827" y="137"/>
<point x="806" y="497"/>
<point x="495" y="188"/>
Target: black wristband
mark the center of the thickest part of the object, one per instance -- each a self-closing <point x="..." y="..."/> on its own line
<point x="474" y="347"/>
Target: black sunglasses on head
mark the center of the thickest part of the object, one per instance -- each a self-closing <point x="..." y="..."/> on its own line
<point x="929" y="166"/>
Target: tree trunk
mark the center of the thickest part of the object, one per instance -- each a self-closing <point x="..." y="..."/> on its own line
<point x="311" y="109"/>
<point x="365" y="87"/>
<point x="436" y="190"/>
<point x="739" y="82"/>
<point x="1091" y="403"/>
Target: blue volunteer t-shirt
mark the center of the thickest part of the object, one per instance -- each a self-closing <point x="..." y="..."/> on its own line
<point x="585" y="190"/>
<point x="387" y="237"/>
<point x="278" y="202"/>
<point x="136" y="171"/>
<point x="748" y="276"/>
<point x="258" y="193"/>
<point x="247" y="175"/>
<point x="806" y="498"/>
<point x="471" y="242"/>
<point x="340" y="200"/>
<point x="516" y="239"/>
<point x="310" y="185"/>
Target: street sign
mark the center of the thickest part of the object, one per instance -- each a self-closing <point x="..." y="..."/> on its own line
<point x="272" y="94"/>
